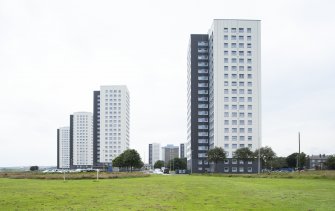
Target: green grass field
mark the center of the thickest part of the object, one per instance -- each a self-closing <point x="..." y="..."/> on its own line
<point x="179" y="192"/>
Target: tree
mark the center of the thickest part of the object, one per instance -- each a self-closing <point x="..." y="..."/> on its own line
<point x="177" y="163"/>
<point x="129" y="159"/>
<point x="279" y="162"/>
<point x="244" y="154"/>
<point x="216" y="155"/>
<point x="266" y="155"/>
<point x="159" y="164"/>
<point x="118" y="161"/>
<point x="330" y="162"/>
<point x="292" y="160"/>
<point x="33" y="168"/>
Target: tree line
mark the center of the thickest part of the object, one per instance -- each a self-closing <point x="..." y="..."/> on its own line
<point x="268" y="158"/>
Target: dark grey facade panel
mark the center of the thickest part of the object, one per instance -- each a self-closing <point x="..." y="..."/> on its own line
<point x="150" y="154"/>
<point x="96" y="126"/>
<point x="58" y="137"/>
<point x="197" y="51"/>
<point x="71" y="142"/>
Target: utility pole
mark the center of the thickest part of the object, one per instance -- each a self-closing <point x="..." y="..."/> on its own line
<point x="298" y="157"/>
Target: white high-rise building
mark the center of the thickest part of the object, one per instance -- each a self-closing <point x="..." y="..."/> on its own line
<point x="224" y="92"/>
<point x="111" y="123"/>
<point x="63" y="148"/>
<point x="235" y="84"/>
<point x="154" y="153"/>
<point x="81" y="140"/>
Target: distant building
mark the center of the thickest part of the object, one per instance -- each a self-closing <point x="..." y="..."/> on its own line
<point x="81" y="140"/>
<point x="154" y="152"/>
<point x="111" y="123"/>
<point x="169" y="152"/>
<point x="182" y="150"/>
<point x="63" y="148"/>
<point x="317" y="161"/>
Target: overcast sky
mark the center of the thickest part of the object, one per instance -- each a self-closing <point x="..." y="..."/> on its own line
<point x="54" y="54"/>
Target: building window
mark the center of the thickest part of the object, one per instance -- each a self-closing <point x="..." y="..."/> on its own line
<point x="241" y="91"/>
<point x="226" y="107"/>
<point x="233" y="37"/>
<point x="202" y="71"/>
<point x="226" y="68"/>
<point x="249" y="169"/>
<point x="225" y="30"/>
<point x="226" y="169"/>
<point x="225" y="60"/>
<point x="249" y="45"/>
<point x="202" y="126"/>
<point x="202" y="84"/>
<point x="202" y="91"/>
<point x="249" y="91"/>
<point x="233" y="30"/>
<point x="248" y="30"/>
<point x="225" y="37"/>
<point x="234" y="169"/>
<point x="226" y="161"/>
<point x="233" y="68"/>
<point x="233" y="53"/>
<point x="225" y="45"/>
<point x="249" y="138"/>
<point x="226" y="138"/>
<point x="226" y="122"/>
<point x="241" y="169"/>
<point x="242" y="131"/>
<point x="234" y="122"/>
<point x="240" y="30"/>
<point x="233" y="45"/>
<point x="234" y="130"/>
<point x="226" y="91"/>
<point x="225" y="53"/>
<point x="226" y="130"/>
<point x="226" y="114"/>
<point x="241" y="45"/>
<point x="240" y="37"/>
<point x="234" y="138"/>
<point x="202" y="112"/>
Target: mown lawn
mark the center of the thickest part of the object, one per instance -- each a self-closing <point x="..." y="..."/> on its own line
<point x="179" y="192"/>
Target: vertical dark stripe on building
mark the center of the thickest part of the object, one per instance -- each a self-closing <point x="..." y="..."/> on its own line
<point x="58" y="145"/>
<point x="71" y="142"/>
<point x="96" y="126"/>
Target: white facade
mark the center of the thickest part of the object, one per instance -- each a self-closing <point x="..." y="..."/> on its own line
<point x="155" y="152"/>
<point x="235" y="84"/>
<point x="82" y="145"/>
<point x="63" y="147"/>
<point x="114" y="122"/>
